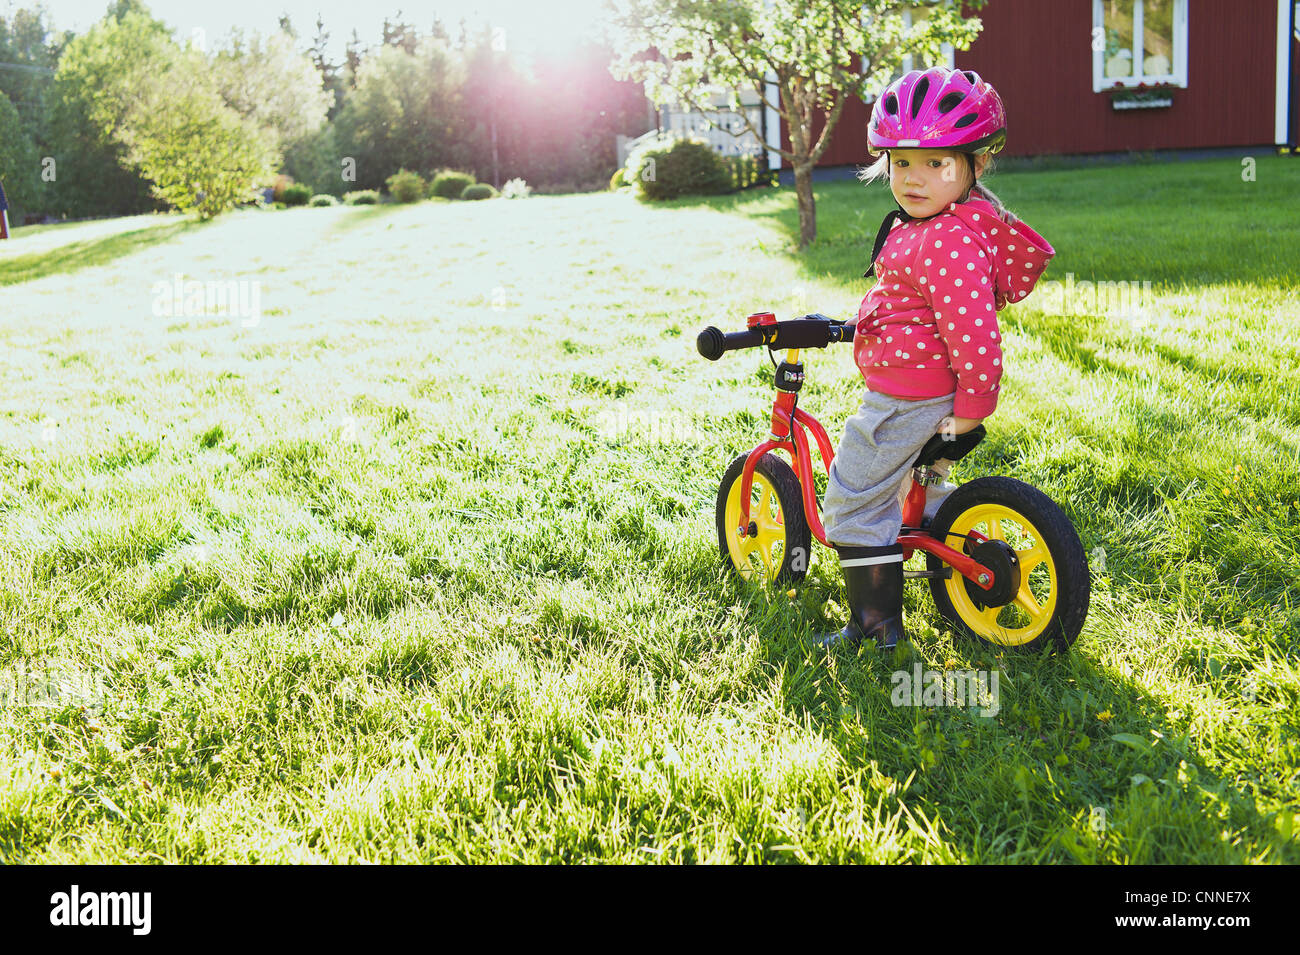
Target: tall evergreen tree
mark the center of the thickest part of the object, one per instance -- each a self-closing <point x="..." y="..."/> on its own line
<point x="330" y="74"/>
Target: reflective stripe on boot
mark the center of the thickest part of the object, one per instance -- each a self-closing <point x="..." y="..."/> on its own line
<point x="873" y="582"/>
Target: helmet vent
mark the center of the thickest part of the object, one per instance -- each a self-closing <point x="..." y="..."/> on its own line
<point x="965" y="120"/>
<point x="970" y="75"/>
<point x="949" y="102"/>
<point x="918" y="95"/>
<point x="891" y="104"/>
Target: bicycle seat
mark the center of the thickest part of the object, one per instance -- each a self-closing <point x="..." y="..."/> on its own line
<point x="952" y="448"/>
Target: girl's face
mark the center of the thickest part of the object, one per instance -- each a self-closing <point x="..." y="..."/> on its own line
<point x="924" y="181"/>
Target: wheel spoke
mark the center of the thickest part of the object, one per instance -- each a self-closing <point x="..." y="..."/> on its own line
<point x="989" y="618"/>
<point x="1030" y="558"/>
<point x="1026" y="601"/>
<point x="752" y="554"/>
<point x="767" y="536"/>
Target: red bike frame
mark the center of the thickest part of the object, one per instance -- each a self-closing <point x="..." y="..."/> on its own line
<point x="789" y="426"/>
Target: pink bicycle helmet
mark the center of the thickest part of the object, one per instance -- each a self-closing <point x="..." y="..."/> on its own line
<point x="938" y="109"/>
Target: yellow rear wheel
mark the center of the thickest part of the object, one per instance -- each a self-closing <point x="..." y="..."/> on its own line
<point x="1051" y="601"/>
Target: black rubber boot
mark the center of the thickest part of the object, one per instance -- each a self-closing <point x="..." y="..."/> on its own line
<point x="873" y="580"/>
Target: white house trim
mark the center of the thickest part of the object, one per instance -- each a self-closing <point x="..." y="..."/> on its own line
<point x="1282" y="114"/>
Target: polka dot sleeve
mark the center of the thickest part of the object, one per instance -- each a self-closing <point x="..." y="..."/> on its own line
<point x="957" y="282"/>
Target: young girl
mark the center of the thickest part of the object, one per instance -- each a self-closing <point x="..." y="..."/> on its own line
<point x="927" y="338"/>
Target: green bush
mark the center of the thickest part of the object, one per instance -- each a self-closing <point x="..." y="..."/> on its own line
<point x="362" y="197"/>
<point x="479" y="190"/>
<point x="407" y="186"/>
<point x="684" y="167"/>
<point x="618" y="180"/>
<point x="280" y="183"/>
<point x="323" y="200"/>
<point x="296" y="195"/>
<point x="450" y="184"/>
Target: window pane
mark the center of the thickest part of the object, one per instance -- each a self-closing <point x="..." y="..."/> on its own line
<point x="1158" y="37"/>
<point x="1118" y="20"/>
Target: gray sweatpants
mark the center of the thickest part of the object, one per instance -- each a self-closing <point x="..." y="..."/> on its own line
<point x="873" y="466"/>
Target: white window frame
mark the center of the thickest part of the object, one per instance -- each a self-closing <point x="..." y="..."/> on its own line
<point x="1101" y="83"/>
<point x="1282" y="109"/>
<point x="947" y="51"/>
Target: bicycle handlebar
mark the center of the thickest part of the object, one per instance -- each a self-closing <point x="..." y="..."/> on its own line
<point x="811" y="331"/>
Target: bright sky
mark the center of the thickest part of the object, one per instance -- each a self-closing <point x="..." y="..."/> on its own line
<point x="529" y="25"/>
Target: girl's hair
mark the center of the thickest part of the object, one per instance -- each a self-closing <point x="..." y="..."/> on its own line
<point x="880" y="170"/>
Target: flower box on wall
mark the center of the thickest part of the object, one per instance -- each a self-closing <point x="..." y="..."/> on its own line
<point x="1141" y="97"/>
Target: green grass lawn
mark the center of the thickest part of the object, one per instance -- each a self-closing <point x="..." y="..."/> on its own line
<point x="421" y="566"/>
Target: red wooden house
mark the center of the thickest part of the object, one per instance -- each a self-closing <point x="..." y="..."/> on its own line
<point x="1100" y="76"/>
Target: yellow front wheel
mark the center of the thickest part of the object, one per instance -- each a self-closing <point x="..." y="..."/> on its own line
<point x="1035" y="551"/>
<point x="777" y="542"/>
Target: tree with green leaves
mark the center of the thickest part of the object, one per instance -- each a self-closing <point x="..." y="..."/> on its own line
<point x="200" y="154"/>
<point x="138" y="98"/>
<point x="29" y="53"/>
<point x="273" y="86"/>
<point x="352" y="56"/>
<point x="405" y="112"/>
<point x="400" y="34"/>
<point x="331" y="77"/>
<point x="19" y="161"/>
<point x="316" y="161"/>
<point x="93" y="92"/>
<point x="815" y="54"/>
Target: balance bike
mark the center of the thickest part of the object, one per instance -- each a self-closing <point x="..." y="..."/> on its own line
<point x="1022" y="578"/>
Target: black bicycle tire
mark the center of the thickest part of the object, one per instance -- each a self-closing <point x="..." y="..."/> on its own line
<point x="789" y="495"/>
<point x="1062" y="540"/>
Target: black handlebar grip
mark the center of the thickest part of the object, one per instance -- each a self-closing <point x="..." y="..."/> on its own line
<point x="709" y="343"/>
<point x="814" y="331"/>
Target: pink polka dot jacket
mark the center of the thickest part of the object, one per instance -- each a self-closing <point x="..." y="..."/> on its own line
<point x="929" y="326"/>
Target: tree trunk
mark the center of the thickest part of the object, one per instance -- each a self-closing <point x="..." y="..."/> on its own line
<point x="803" y="188"/>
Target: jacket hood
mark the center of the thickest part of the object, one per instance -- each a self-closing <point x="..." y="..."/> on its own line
<point x="1019" y="253"/>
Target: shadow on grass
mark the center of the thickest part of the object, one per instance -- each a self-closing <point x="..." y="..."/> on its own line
<point x="1042" y="779"/>
<point x="76" y="256"/>
<point x="1076" y="763"/>
<point x="1082" y="341"/>
<point x="359" y="216"/>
